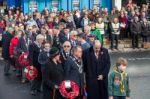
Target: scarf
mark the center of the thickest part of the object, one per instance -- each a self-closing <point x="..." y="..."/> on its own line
<point x="123" y="76"/>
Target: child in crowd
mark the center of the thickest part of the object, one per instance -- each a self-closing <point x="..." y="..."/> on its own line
<point x="119" y="81"/>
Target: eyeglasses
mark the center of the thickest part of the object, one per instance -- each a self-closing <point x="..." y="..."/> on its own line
<point x="66" y="46"/>
<point x="75" y="35"/>
<point x="97" y="48"/>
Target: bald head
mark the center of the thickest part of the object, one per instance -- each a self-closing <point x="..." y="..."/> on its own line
<point x="96" y="45"/>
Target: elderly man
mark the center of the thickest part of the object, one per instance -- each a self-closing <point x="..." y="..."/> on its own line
<point x="96" y="65"/>
<point x="74" y="69"/>
<point x="73" y="38"/>
<point x="66" y="51"/>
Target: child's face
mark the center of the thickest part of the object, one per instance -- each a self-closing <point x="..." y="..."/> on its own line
<point x="122" y="67"/>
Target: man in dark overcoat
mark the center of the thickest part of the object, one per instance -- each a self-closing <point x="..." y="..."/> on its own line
<point x="6" y="38"/>
<point x="74" y="69"/>
<point x="96" y="65"/>
<point x="34" y="51"/>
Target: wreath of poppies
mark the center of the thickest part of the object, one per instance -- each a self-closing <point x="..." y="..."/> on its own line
<point x="31" y="72"/>
<point x="73" y="90"/>
<point x="23" y="59"/>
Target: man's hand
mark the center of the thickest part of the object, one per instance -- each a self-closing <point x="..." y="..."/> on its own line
<point x="110" y="97"/>
<point x="56" y="87"/>
<point x="127" y="98"/>
<point x="11" y="56"/>
<point x="100" y="77"/>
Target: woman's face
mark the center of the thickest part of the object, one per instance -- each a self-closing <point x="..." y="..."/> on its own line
<point x="57" y="57"/>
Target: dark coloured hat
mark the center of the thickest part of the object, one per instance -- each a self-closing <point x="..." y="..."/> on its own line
<point x="82" y="35"/>
<point x="91" y="35"/>
<point x="54" y="52"/>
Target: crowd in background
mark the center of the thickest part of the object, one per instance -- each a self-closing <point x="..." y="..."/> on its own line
<point x="65" y="31"/>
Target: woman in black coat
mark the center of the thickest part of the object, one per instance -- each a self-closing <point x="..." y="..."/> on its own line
<point x="34" y="50"/>
<point x="53" y="76"/>
<point x="6" y="38"/>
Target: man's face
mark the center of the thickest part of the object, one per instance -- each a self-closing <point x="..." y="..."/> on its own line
<point x="91" y="39"/>
<point x="78" y="53"/>
<point x="74" y="36"/>
<point x="55" y="31"/>
<point x="97" y="47"/>
<point x="66" y="31"/>
<point x="43" y="31"/>
<point x="67" y="47"/>
<point x="40" y="41"/>
<point x="86" y="30"/>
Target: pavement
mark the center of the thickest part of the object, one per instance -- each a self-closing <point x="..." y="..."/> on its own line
<point x="138" y="69"/>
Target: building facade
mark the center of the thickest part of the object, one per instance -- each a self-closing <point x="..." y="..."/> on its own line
<point x="32" y="5"/>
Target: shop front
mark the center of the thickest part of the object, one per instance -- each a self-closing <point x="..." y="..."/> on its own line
<point x="32" y="5"/>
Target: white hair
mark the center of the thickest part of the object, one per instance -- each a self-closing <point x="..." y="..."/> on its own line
<point x="73" y="32"/>
<point x="40" y="36"/>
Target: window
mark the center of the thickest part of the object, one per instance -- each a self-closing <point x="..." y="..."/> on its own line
<point x="96" y="3"/>
<point x="33" y="5"/>
<point x="55" y="3"/>
<point x="76" y="4"/>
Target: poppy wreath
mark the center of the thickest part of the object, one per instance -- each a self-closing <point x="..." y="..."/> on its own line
<point x="23" y="59"/>
<point x="73" y="90"/>
<point x="31" y="72"/>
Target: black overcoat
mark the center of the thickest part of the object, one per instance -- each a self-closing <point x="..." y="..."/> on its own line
<point x="72" y="73"/>
<point x="53" y="75"/>
<point x="93" y="67"/>
<point x="6" y="38"/>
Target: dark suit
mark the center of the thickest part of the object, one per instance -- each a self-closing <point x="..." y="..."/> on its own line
<point x="64" y="57"/>
<point x="22" y="45"/>
<point x="49" y="38"/>
<point x="72" y="73"/>
<point x="53" y="75"/>
<point x="62" y="37"/>
<point x="96" y="89"/>
<point x="6" y="38"/>
<point x="34" y="51"/>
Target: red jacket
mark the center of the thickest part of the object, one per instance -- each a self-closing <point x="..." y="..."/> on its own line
<point x="13" y="43"/>
<point x="50" y="25"/>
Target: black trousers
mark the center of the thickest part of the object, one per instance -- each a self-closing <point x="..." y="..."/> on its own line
<point x="114" y="37"/>
<point x="135" y="40"/>
<point x="50" y="93"/>
<point x="7" y="66"/>
<point x="119" y="97"/>
<point x="145" y="38"/>
<point x="36" y="83"/>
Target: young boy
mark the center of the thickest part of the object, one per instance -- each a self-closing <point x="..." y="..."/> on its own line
<point x="119" y="81"/>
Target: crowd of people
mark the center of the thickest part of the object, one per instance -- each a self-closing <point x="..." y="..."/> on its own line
<point x="69" y="46"/>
